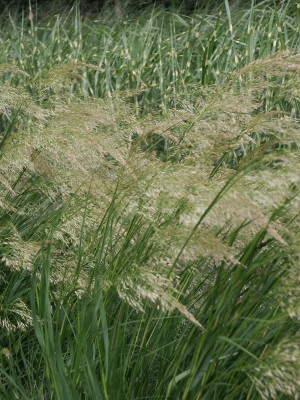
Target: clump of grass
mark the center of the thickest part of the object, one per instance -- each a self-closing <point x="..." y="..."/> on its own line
<point x="150" y="255"/>
<point x="135" y="274"/>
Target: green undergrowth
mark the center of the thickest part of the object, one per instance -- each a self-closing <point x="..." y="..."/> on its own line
<point x="150" y="255"/>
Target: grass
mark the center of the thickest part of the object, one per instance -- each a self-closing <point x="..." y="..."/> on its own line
<point x="156" y="53"/>
<point x="149" y="211"/>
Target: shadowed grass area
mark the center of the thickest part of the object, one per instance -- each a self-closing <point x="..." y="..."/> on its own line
<point x="147" y="254"/>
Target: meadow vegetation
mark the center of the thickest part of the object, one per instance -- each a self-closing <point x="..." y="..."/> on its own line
<point x="149" y="179"/>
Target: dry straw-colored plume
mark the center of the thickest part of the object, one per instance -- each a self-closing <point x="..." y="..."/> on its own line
<point x="172" y="166"/>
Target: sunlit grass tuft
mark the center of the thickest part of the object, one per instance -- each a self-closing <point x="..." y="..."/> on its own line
<point x="150" y="255"/>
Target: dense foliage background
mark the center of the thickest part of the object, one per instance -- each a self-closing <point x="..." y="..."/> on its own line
<point x="186" y="6"/>
<point x="149" y="210"/>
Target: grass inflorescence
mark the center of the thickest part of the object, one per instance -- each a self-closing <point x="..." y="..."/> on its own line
<point x="149" y="179"/>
